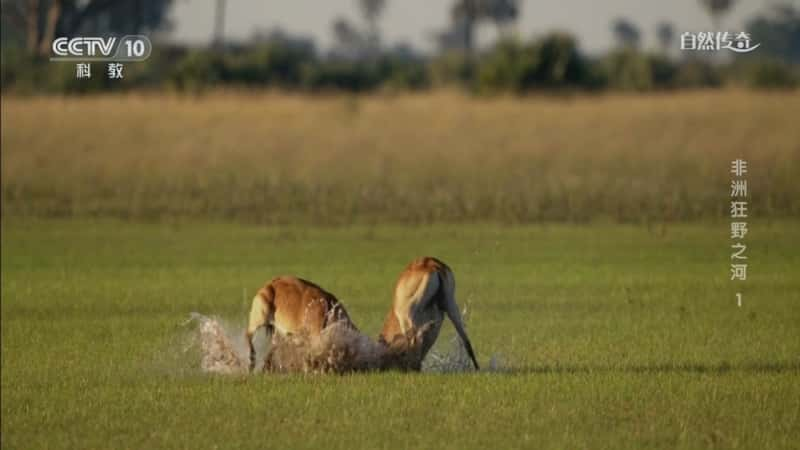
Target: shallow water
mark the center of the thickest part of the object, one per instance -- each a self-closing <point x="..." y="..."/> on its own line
<point x="338" y="349"/>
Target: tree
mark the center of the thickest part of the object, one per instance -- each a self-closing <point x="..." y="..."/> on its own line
<point x="626" y="33"/>
<point x="466" y="14"/>
<point x="503" y="13"/>
<point x="778" y="33"/>
<point x="281" y="38"/>
<point x="464" y="17"/>
<point x="716" y="9"/>
<point x="372" y="10"/>
<point x="218" y="39"/>
<point x="42" y="20"/>
<point x="451" y="38"/>
<point x="355" y="42"/>
<point x="349" y="41"/>
<point x="665" y="33"/>
<point x="37" y="19"/>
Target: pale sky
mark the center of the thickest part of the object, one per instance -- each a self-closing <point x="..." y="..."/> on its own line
<point x="412" y="21"/>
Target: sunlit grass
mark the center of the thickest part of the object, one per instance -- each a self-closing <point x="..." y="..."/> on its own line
<point x="270" y="158"/>
<point x="611" y="337"/>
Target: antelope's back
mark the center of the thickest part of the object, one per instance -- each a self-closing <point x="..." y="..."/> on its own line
<point x="416" y="272"/>
<point x="426" y="264"/>
<point x="300" y="304"/>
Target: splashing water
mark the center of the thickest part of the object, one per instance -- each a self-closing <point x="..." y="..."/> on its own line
<point x="218" y="353"/>
<point x="455" y="358"/>
<point x="339" y="348"/>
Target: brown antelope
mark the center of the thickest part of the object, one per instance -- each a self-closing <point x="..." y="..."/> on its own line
<point x="289" y="305"/>
<point x="424" y="293"/>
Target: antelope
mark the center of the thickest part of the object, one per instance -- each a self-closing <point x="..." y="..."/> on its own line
<point x="289" y="305"/>
<point x="423" y="294"/>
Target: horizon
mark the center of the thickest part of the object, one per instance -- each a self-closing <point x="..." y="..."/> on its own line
<point x="414" y="21"/>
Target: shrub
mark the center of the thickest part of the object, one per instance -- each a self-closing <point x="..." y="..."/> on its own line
<point x="628" y="70"/>
<point x="270" y="64"/>
<point x="507" y="67"/>
<point x="771" y="74"/>
<point x="340" y="75"/>
<point x="695" y="73"/>
<point x="550" y="62"/>
<point x="198" y="70"/>
<point x="450" y="68"/>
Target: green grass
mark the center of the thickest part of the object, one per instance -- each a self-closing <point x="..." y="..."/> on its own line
<point x="612" y="336"/>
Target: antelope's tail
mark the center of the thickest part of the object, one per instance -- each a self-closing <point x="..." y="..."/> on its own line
<point x="448" y="282"/>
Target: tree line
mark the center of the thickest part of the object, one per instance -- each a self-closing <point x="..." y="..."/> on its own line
<point x="360" y="61"/>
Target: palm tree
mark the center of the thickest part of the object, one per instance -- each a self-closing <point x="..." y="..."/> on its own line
<point x="465" y="17"/>
<point x="503" y="13"/>
<point x="467" y="13"/>
<point x="626" y="33"/>
<point x="666" y="34"/>
<point x="716" y="9"/>
<point x="219" y="24"/>
<point x="372" y="10"/>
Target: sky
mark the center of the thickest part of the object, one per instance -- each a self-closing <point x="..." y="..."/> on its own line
<point x="414" y="21"/>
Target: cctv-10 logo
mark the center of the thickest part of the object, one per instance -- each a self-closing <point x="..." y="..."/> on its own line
<point x="126" y="48"/>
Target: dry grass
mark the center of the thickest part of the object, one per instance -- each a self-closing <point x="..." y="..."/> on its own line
<point x="414" y="158"/>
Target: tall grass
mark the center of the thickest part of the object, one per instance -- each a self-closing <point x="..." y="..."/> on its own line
<point x="267" y="157"/>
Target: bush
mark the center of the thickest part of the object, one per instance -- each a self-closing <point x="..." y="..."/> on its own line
<point x="198" y="70"/>
<point x="404" y="73"/>
<point x="551" y="62"/>
<point x="560" y="64"/>
<point x="271" y="64"/>
<point x="770" y="74"/>
<point x="695" y="73"/>
<point x="340" y="75"/>
<point x="632" y="70"/>
<point x="450" y="68"/>
<point x="663" y="70"/>
<point x="628" y="70"/>
<point x="28" y="74"/>
<point x="508" y="67"/>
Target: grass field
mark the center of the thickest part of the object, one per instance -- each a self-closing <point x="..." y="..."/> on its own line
<point x="274" y="158"/>
<point x="612" y="336"/>
<point x="589" y="236"/>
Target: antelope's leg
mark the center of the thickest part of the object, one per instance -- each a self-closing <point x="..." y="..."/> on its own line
<point x="451" y="308"/>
